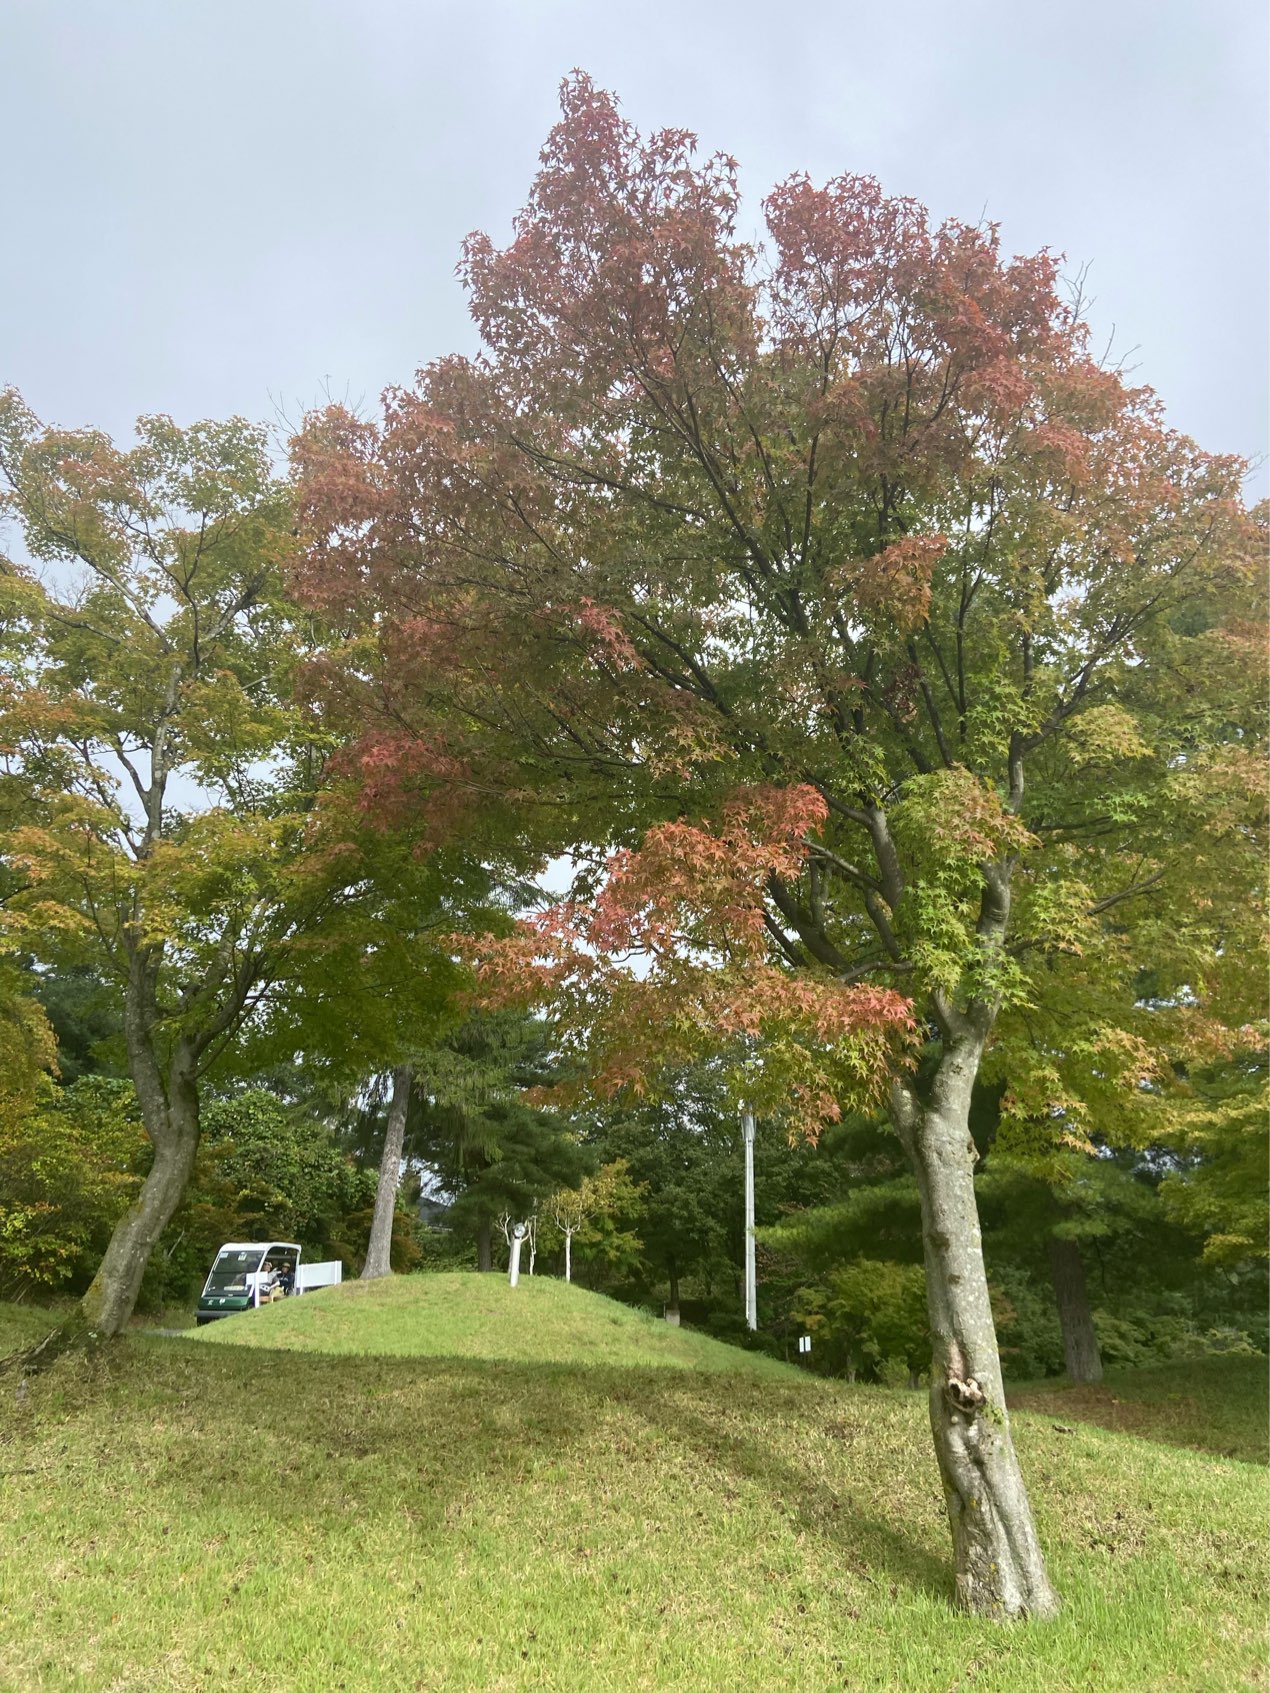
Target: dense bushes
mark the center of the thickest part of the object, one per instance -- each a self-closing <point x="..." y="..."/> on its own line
<point x="265" y="1170"/>
<point x="68" y="1170"/>
<point x="869" y="1312"/>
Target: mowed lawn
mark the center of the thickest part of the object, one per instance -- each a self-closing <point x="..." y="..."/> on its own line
<point x="23" y="1325"/>
<point x="1216" y="1404"/>
<point x="197" y="1514"/>
<point x="463" y="1315"/>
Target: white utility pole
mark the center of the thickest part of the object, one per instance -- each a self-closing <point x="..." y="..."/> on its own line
<point x="513" y="1271"/>
<point x="751" y="1286"/>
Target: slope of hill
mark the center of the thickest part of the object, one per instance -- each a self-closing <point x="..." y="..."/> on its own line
<point x="465" y="1315"/>
<point x="22" y="1325"/>
<point x="200" y="1516"/>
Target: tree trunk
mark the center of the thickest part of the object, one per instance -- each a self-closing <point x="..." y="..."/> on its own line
<point x="999" y="1569"/>
<point x="674" y="1292"/>
<point x="112" y="1297"/>
<point x="379" y="1251"/>
<point x="568" y="1255"/>
<point x="1080" y="1343"/>
<point x="484" y="1255"/>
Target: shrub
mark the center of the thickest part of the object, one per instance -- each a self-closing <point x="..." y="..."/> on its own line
<point x="68" y="1171"/>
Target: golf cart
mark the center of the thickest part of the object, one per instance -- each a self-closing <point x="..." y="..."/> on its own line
<point x="248" y="1274"/>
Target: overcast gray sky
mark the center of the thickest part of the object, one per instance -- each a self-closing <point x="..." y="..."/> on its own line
<point x="213" y="207"/>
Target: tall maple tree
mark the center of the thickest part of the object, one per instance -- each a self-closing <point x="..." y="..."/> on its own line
<point x="169" y="777"/>
<point x="811" y="571"/>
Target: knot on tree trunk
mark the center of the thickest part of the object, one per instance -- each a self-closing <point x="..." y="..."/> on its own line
<point x="965" y="1396"/>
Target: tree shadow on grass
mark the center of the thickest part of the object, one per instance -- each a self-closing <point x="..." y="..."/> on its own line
<point x="438" y="1434"/>
<point x="1215" y="1405"/>
<point x="875" y="1548"/>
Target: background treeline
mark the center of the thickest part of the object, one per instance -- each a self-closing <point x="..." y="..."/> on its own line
<point x="1093" y="1261"/>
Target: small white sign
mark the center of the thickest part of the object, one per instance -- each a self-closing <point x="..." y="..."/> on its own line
<point x="804" y="1343"/>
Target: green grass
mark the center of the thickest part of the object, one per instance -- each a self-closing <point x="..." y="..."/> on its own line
<point x="192" y="1514"/>
<point x="22" y="1325"/>
<point x="1212" y="1404"/>
<point x="462" y="1315"/>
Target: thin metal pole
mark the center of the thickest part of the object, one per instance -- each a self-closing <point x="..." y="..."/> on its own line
<point x="751" y="1286"/>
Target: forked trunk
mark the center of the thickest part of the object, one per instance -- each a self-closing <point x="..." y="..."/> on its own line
<point x="112" y="1297"/>
<point x="1080" y="1343"/>
<point x="484" y="1254"/>
<point x="999" y="1569"/>
<point x="379" y="1251"/>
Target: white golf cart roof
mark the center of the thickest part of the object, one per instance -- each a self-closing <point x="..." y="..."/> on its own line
<point x="259" y="1246"/>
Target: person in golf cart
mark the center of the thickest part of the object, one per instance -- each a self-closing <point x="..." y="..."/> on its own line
<point x="249" y="1273"/>
<point x="277" y="1281"/>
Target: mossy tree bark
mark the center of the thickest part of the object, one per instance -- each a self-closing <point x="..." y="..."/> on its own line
<point x="112" y="1297"/>
<point x="999" y="1569"/>
<point x="379" y="1251"/>
<point x="168" y="1096"/>
<point x="165" y="1072"/>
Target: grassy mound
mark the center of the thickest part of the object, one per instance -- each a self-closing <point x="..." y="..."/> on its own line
<point x="181" y="1515"/>
<point x="465" y="1315"/>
